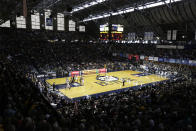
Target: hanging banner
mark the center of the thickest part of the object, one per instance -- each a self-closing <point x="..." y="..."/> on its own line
<point x="131" y="36"/>
<point x="49" y="22"/>
<point x="174" y="35"/>
<point x="169" y="35"/>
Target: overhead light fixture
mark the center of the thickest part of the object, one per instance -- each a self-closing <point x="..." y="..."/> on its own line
<point x="87" y="5"/>
<point x="132" y="9"/>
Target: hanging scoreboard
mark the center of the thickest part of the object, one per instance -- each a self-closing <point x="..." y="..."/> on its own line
<point x="116" y="32"/>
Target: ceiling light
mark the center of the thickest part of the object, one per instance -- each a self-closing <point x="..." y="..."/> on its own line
<point x="131" y="9"/>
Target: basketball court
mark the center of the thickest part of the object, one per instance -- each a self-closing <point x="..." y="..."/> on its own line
<point x="105" y="83"/>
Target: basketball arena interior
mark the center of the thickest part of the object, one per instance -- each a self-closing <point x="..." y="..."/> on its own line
<point x="98" y="65"/>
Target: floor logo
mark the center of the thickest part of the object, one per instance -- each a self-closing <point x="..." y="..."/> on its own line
<point x="107" y="78"/>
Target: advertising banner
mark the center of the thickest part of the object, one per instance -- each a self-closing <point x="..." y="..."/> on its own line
<point x="104" y="70"/>
<point x="172" y="61"/>
<point x="194" y="62"/>
<point x="185" y="62"/>
<point x="156" y="58"/>
<point x="166" y="59"/>
<point x="151" y="58"/>
<point x="178" y="61"/>
<point x="191" y="62"/>
<point x="161" y="59"/>
<point x="142" y="57"/>
<point x="89" y="72"/>
<point x="75" y="73"/>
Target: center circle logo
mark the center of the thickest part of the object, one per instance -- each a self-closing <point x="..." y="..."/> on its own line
<point x="107" y="78"/>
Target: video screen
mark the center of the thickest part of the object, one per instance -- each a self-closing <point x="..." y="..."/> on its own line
<point x="104" y="28"/>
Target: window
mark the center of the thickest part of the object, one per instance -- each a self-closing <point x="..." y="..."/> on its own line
<point x="72" y="25"/>
<point x="6" y="24"/>
<point x="35" y="21"/>
<point x="60" y="22"/>
<point x="21" y="22"/>
<point x="48" y="20"/>
<point x="81" y="28"/>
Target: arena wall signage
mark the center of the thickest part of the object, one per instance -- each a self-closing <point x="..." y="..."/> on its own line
<point x="151" y="58"/>
<point x="75" y="73"/>
<point x="104" y="70"/>
<point x="185" y="62"/>
<point x="166" y="59"/>
<point x="159" y="59"/>
<point x="156" y="58"/>
<point x="172" y="61"/>
<point x="178" y="61"/>
<point x="88" y="72"/>
<point x="142" y="57"/>
<point x="169" y="47"/>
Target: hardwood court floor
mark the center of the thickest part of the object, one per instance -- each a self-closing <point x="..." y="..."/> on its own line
<point x="93" y="86"/>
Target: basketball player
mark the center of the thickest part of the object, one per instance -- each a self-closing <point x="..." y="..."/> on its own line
<point x="106" y="78"/>
<point x="123" y="82"/>
<point x="129" y="80"/>
<point x="81" y="81"/>
<point x="67" y="80"/>
<point x="53" y="86"/>
<point x="73" y="80"/>
<point x="68" y="86"/>
<point x="97" y="76"/>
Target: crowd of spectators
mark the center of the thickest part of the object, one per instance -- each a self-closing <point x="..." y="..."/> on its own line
<point x="167" y="106"/>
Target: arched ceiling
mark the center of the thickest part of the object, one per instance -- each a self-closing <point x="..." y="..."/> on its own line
<point x="180" y="15"/>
